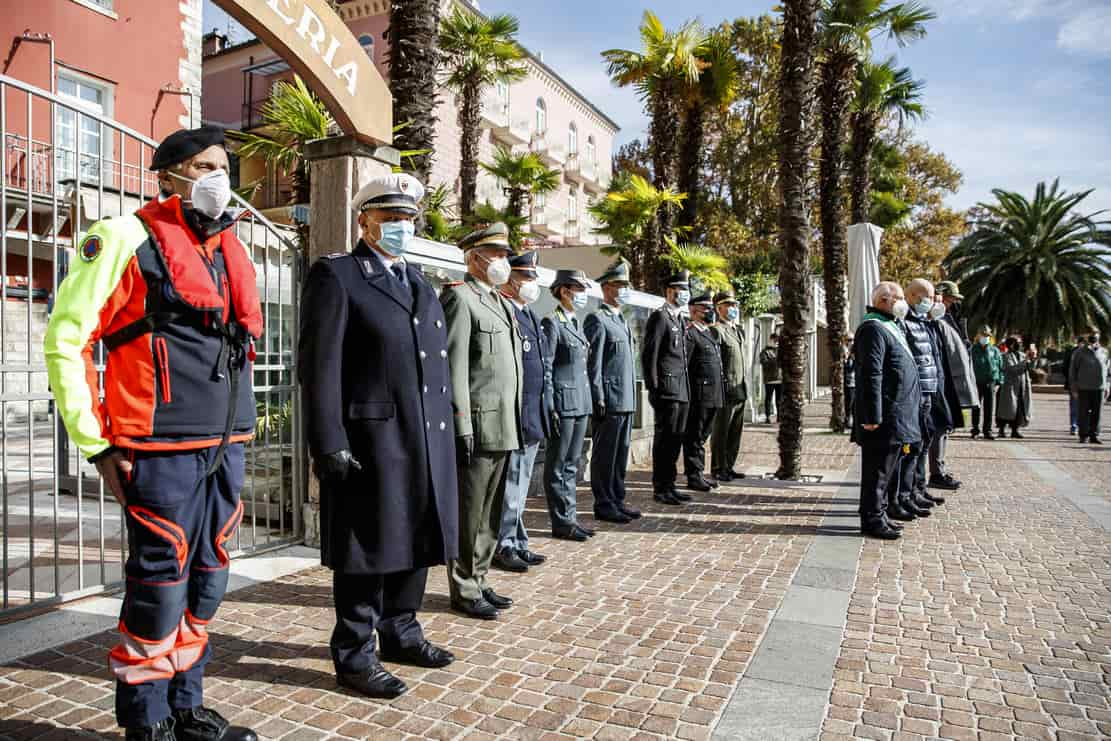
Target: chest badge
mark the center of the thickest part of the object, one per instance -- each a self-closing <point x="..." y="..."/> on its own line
<point x="526" y="346"/>
<point x="91" y="248"/>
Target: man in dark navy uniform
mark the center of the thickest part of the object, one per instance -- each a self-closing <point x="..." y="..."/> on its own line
<point x="537" y="410"/>
<point x="707" y="390"/>
<point x="377" y="394"/>
<point x="664" y="364"/>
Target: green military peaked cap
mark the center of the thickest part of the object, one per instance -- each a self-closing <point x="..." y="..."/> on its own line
<point x="570" y="278"/>
<point x="495" y="235"/>
<point x="618" y="272"/>
<point x="725" y="297"/>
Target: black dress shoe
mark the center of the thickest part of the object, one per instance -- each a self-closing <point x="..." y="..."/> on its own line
<point x="665" y="497"/>
<point x="697" y="483"/>
<point x="919" y="500"/>
<point x="915" y="510"/>
<point x="532" y="559"/>
<point x="1017" y="434"/>
<point x="632" y="514"/>
<point x="895" y="512"/>
<point x="1082" y="440"/>
<point x="163" y="730"/>
<point x="589" y="532"/>
<point x="988" y="435"/>
<point x="975" y="433"/>
<point x="476" y="608"/>
<point x="682" y="496"/>
<point x="882" y="533"/>
<point x="713" y="482"/>
<point x="893" y="525"/>
<point x="723" y="476"/>
<point x="1095" y="441"/>
<point x="618" y="517"/>
<point x="426" y="655"/>
<point x="571" y="533"/>
<point x="934" y="499"/>
<point x="203" y="724"/>
<point x="944" y="482"/>
<point x="508" y="560"/>
<point x="735" y="474"/>
<point x="495" y="599"/>
<point x="374" y="682"/>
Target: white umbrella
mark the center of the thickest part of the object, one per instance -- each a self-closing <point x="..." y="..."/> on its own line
<point x="864" y="268"/>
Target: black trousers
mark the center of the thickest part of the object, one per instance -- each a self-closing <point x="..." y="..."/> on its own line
<point x="850" y="405"/>
<point x="1089" y="408"/>
<point x="771" y="391"/>
<point x="670" y="428"/>
<point x="879" y="474"/>
<point x="609" y="461"/>
<point x="700" y="422"/>
<point x="366" y="603"/>
<point x="986" y="392"/>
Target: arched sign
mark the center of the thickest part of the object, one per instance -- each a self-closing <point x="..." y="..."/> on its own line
<point x="317" y="44"/>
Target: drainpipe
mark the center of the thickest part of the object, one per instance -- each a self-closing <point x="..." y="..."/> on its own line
<point x="43" y="38"/>
<point x="171" y="90"/>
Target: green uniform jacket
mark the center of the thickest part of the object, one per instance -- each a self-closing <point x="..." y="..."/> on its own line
<point x="484" y="352"/>
<point x="729" y="339"/>
<point x="987" y="364"/>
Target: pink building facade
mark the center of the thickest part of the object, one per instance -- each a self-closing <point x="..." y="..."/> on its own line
<point x="542" y="113"/>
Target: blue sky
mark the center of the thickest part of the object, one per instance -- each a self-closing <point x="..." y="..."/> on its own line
<point x="1017" y="90"/>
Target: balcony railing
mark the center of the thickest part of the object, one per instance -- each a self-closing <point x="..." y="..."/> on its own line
<point x="546" y="221"/>
<point x="553" y="155"/>
<point x="495" y="110"/>
<point x="47" y="169"/>
<point x="580" y="169"/>
<point x="514" y="132"/>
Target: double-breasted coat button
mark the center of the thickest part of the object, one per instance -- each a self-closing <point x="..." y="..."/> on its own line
<point x="428" y="424"/>
<point x="443" y="425"/>
<point x="426" y="389"/>
<point x="443" y="353"/>
<point x="423" y="355"/>
<point x="416" y="320"/>
<point x="439" y="324"/>
<point x="443" y="389"/>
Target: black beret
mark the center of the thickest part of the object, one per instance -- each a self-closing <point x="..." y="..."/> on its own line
<point x="185" y="143"/>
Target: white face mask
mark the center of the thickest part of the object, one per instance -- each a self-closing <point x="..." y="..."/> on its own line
<point x="211" y="192"/>
<point x="529" y="291"/>
<point x="900" y="309"/>
<point x="579" y="300"/>
<point x="497" y="271"/>
<point x="623" y="295"/>
<point x="937" y="311"/>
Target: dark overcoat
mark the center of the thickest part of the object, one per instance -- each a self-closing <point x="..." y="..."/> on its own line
<point x="887" y="384"/>
<point x="707" y="378"/>
<point x="664" y="357"/>
<point x="568" y="348"/>
<point x="373" y="368"/>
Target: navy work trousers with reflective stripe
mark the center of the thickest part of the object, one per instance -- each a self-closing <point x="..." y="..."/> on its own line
<point x="179" y="522"/>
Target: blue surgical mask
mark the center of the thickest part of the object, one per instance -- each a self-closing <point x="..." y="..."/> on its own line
<point x="924" y="306"/>
<point x="396" y="236"/>
<point x="985" y="341"/>
<point x="683" y="297"/>
<point x="623" y="295"/>
<point x="733" y="313"/>
<point x="579" y="300"/>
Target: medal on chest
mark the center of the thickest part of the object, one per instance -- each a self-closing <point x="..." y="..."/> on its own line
<point x="526" y="346"/>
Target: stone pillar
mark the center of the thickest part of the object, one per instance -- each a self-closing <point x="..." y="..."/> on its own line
<point x="338" y="166"/>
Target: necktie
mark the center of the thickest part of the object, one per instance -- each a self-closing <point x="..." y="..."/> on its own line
<point x="398" y="271"/>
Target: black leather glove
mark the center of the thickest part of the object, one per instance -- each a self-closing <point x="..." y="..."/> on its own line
<point x="599" y="412"/>
<point x="337" y="467"/>
<point x="555" y="422"/>
<point x="464" y="450"/>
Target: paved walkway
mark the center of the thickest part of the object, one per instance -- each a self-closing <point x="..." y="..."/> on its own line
<point x="756" y="604"/>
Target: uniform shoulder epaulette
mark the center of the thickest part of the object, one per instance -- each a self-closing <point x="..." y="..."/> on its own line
<point x="452" y="284"/>
<point x="335" y="255"/>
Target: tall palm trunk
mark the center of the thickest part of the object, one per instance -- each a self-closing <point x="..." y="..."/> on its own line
<point x="690" y="166"/>
<point x="864" y="137"/>
<point x="414" y="62"/>
<point x="663" y="133"/>
<point x="795" y="84"/>
<point x="836" y="93"/>
<point x="517" y="201"/>
<point x="470" y="117"/>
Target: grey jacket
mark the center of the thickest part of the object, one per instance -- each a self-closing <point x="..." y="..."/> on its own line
<point x="1015" y="389"/>
<point x="567" y="353"/>
<point x="611" y="362"/>
<point x="960" y="366"/>
<point x="1088" y="369"/>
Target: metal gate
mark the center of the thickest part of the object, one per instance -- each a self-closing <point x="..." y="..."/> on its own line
<point x="62" y="536"/>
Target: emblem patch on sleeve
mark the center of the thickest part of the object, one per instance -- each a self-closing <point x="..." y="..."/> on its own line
<point x="91" y="248"/>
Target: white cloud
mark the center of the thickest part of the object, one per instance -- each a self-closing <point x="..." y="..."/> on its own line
<point x="1087" y="33"/>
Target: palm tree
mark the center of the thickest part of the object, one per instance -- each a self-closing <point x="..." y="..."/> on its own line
<point x="1037" y="267"/>
<point x="524" y="176"/>
<point x="707" y="268"/>
<point x="796" y="89"/>
<point x="847" y="28"/>
<point x="628" y="215"/>
<point x="666" y="64"/>
<point x="477" y="52"/>
<point x="414" y="62"/>
<point x="882" y="90"/>
<point x="486" y="214"/>
<point x="715" y="90"/>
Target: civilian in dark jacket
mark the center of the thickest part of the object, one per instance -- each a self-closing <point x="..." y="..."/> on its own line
<point x="537" y="408"/>
<point x="1088" y="379"/>
<point x="773" y="377"/>
<point x="1066" y="366"/>
<point x="850" y="381"/>
<point x="913" y="499"/>
<point x="664" y="366"/>
<point x="887" y="406"/>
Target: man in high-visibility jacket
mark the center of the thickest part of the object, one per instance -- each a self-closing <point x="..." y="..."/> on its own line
<point x="171" y="293"/>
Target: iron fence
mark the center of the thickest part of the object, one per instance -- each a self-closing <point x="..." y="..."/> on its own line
<point x="61" y="536"/>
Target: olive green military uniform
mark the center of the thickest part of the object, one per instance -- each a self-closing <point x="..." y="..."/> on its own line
<point x="725" y="444"/>
<point x="484" y="353"/>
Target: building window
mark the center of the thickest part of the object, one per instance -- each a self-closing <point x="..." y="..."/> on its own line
<point x="367" y="42"/>
<point x="573" y="205"/>
<point x="541" y="116"/>
<point x="590" y="151"/>
<point x="572" y="140"/>
<point x="73" y="128"/>
<point x="541" y="201"/>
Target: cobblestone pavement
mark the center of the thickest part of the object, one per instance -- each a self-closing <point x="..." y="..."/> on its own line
<point x="991" y="617"/>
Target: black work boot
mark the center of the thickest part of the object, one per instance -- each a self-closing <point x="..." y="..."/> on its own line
<point x="163" y="730"/>
<point x="202" y="724"/>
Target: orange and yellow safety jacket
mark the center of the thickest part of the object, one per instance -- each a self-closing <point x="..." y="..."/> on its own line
<point x="178" y="318"/>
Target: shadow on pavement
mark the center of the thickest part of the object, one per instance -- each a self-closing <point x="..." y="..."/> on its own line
<point x="18" y="730"/>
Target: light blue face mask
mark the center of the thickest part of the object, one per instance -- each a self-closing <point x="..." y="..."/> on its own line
<point x="683" y="297"/>
<point x="623" y="295"/>
<point x="924" y="306"/>
<point x="579" y="300"/>
<point x="985" y="341"/>
<point x="733" y="313"/>
<point x="396" y="236"/>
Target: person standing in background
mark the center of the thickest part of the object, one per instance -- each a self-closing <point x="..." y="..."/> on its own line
<point x="1013" y="400"/>
<point x="729" y="422"/>
<point x="537" y="415"/>
<point x="987" y="363"/>
<point x="707" y="391"/>
<point x="850" y="382"/>
<point x="613" y="388"/>
<point x="1088" y="379"/>
<point x="773" y="380"/>
<point x="1066" y="365"/>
